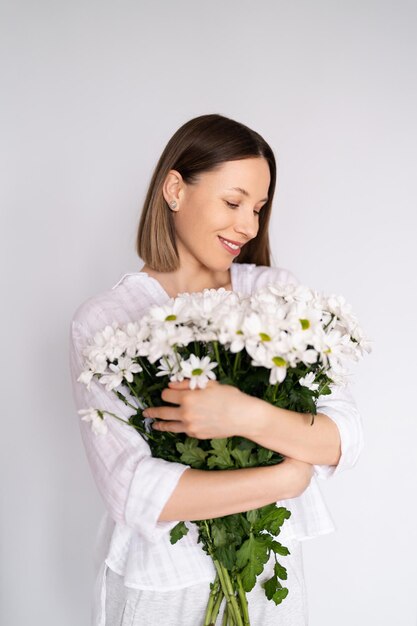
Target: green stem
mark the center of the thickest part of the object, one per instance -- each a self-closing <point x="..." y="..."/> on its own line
<point x="142" y="363"/>
<point x="274" y="392"/>
<point x="217" y="353"/>
<point x="329" y="322"/>
<point x="225" y="614"/>
<point x="236" y="364"/>
<point x="123" y="399"/>
<point x="208" y="618"/>
<point x="243" y="601"/>
<point x="217" y="605"/>
<point x="229" y="593"/>
<point x="132" y="389"/>
<point x="177" y="357"/>
<point x="231" y="601"/>
<point x="141" y="430"/>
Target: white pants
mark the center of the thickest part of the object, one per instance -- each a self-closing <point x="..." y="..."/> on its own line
<point x="186" y="607"/>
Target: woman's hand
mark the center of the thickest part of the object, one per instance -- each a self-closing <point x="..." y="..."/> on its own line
<point x="214" y="412"/>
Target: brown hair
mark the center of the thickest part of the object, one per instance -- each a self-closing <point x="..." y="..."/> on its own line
<point x="200" y="145"/>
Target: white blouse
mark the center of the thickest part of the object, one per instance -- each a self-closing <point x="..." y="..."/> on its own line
<point x="135" y="486"/>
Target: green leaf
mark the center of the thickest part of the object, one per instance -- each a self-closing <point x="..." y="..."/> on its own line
<point x="280" y="595"/>
<point x="325" y="391"/>
<point x="264" y="455"/>
<point x="278" y="548"/>
<point x="220" y="456"/>
<point x="270" y="587"/>
<point x="280" y="571"/>
<point x="252" y="556"/>
<point x="179" y="531"/>
<point x="219" y="535"/>
<point x="191" y="454"/>
<point x="274" y="590"/>
<point x="252" y="515"/>
<point x="227" y="556"/>
<point x="242" y="457"/>
<point x="273" y="519"/>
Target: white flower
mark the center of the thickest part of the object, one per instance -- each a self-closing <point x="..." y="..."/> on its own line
<point x="86" y="377"/>
<point x="308" y="381"/>
<point x="261" y="328"/>
<point x="278" y="371"/>
<point x="230" y="333"/>
<point x="97" y="365"/>
<point x="136" y="338"/>
<point x="123" y="368"/>
<point x="96" y="418"/>
<point x="108" y="342"/>
<point x="198" y="370"/>
<point x="308" y="356"/>
<point x="165" y="336"/>
<point x="171" y="312"/>
<point x="293" y="293"/>
<point x="168" y="366"/>
<point x="278" y="326"/>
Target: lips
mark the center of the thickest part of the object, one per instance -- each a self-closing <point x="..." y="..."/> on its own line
<point x="237" y="243"/>
<point x="234" y="251"/>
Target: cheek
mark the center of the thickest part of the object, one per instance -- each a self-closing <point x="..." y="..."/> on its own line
<point x="187" y="224"/>
<point x="200" y="221"/>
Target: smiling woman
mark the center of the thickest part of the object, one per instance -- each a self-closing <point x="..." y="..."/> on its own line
<point x="204" y="224"/>
<point x="203" y="217"/>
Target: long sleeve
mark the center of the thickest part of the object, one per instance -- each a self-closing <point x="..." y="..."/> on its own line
<point x="341" y="407"/>
<point x="134" y="486"/>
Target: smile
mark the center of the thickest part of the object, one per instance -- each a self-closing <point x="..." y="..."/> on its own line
<point x="230" y="247"/>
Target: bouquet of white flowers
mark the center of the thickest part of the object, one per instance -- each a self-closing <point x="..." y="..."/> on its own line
<point x="285" y="344"/>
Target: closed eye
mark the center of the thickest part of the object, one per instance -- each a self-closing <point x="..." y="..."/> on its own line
<point x="236" y="205"/>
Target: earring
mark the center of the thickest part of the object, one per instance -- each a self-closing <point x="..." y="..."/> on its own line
<point x="173" y="204"/>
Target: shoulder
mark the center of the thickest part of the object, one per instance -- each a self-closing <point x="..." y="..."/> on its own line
<point x="127" y="300"/>
<point x="262" y="275"/>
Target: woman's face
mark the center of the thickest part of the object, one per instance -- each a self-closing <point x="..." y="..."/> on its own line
<point x="211" y="210"/>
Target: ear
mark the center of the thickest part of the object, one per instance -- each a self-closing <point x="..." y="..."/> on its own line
<point x="172" y="187"/>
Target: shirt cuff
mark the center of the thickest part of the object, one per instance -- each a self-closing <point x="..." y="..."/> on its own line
<point x="340" y="407"/>
<point x="150" y="489"/>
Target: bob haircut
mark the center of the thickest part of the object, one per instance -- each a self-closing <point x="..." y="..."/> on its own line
<point x="201" y="145"/>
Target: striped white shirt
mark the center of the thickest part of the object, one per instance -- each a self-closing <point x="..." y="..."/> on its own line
<point x="135" y="486"/>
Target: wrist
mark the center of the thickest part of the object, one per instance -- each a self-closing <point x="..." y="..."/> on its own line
<point x="254" y="418"/>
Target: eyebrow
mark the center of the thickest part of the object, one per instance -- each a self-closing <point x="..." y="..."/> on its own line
<point x="245" y="193"/>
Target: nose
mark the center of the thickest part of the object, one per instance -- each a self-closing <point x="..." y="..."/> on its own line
<point x="247" y="225"/>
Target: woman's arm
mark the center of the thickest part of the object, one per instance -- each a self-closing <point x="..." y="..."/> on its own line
<point x="331" y="444"/>
<point x="149" y="494"/>
<point x="224" y="411"/>
<point x="207" y="494"/>
<point x="292" y="434"/>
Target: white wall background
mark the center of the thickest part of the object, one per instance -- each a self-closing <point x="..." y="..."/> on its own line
<point x="90" y="94"/>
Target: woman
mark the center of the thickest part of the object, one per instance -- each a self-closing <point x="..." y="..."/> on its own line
<point x="204" y="224"/>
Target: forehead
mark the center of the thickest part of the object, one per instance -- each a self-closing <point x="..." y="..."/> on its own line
<point x="250" y="175"/>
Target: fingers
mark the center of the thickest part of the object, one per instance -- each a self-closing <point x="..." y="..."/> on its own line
<point x="172" y="427"/>
<point x="159" y="412"/>
<point x="185" y="384"/>
<point x="179" y="384"/>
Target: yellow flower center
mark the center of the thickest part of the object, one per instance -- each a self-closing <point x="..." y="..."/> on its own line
<point x="264" y="337"/>
<point x="279" y="361"/>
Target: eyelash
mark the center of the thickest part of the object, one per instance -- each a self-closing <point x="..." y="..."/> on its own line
<point x="236" y="205"/>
